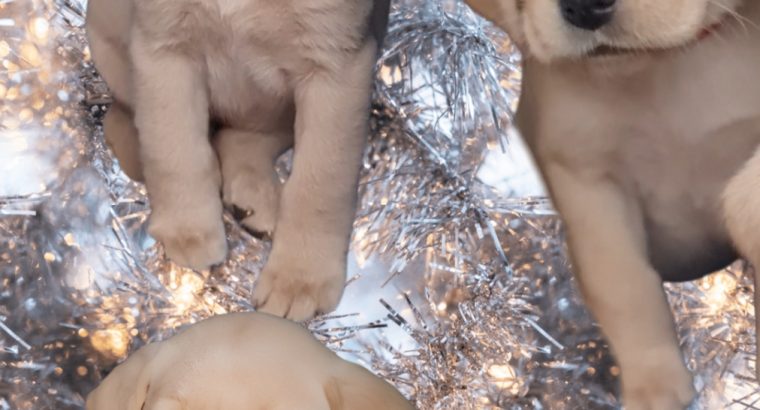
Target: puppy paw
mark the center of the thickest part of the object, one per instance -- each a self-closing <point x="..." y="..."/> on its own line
<point x="256" y="197"/>
<point x="298" y="287"/>
<point x="194" y="241"/>
<point x="658" y="382"/>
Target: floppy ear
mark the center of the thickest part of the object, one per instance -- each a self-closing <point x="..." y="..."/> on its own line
<point x="358" y="389"/>
<point x="127" y="386"/>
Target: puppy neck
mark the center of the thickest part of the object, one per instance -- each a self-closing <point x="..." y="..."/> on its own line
<point x="605" y="69"/>
<point x="739" y="26"/>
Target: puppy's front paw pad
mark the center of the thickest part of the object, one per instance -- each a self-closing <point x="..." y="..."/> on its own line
<point x="299" y="294"/>
<point x="257" y="196"/>
<point x="194" y="245"/>
<point x="261" y="222"/>
<point x="659" y="388"/>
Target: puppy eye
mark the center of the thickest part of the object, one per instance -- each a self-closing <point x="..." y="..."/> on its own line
<point x="520" y="5"/>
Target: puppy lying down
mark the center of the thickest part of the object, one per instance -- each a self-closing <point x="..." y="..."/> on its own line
<point x="242" y="361"/>
<point x="644" y="118"/>
<point x="267" y="73"/>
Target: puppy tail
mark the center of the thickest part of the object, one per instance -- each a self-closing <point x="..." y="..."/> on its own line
<point x="358" y="389"/>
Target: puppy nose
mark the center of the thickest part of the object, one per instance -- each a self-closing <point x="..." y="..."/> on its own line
<point x="588" y="14"/>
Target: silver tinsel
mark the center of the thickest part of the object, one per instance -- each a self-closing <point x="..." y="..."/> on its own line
<point x="459" y="292"/>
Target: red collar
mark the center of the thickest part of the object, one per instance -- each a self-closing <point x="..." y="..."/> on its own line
<point x="711" y="29"/>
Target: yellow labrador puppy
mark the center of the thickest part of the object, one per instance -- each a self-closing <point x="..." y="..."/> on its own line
<point x="644" y="118"/>
<point x="265" y="73"/>
<point x="240" y="362"/>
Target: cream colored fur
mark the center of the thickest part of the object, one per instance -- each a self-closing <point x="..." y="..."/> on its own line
<point x="270" y="73"/>
<point x="242" y="362"/>
<point x="651" y="157"/>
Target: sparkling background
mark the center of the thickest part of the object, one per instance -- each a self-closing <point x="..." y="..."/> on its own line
<point x="459" y="289"/>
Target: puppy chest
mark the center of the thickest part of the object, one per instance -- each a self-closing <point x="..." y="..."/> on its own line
<point x="288" y="33"/>
<point x="672" y="143"/>
<point x="692" y="131"/>
<point x="678" y="183"/>
<point x="254" y="51"/>
<point x="677" y="166"/>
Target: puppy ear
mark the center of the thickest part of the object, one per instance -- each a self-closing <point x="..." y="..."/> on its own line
<point x="127" y="386"/>
<point x="358" y="389"/>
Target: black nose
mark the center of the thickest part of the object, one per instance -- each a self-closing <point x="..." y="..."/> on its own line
<point x="588" y="14"/>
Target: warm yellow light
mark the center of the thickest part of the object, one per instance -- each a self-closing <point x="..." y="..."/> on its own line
<point x="26" y="115"/>
<point x="39" y="29"/>
<point x="31" y="55"/>
<point x="505" y="378"/>
<point x="720" y="288"/>
<point x="390" y="74"/>
<point x="5" y="49"/>
<point x="69" y="239"/>
<point x="111" y="342"/>
<point x="185" y="293"/>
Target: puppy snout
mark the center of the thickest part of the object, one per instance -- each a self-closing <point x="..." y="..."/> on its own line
<point x="588" y="14"/>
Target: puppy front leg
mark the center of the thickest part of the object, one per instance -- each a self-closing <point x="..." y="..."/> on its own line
<point x="179" y="165"/>
<point x="741" y="208"/>
<point x="306" y="270"/>
<point x="624" y="293"/>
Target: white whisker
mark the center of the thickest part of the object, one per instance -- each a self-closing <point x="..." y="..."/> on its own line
<point x="744" y="21"/>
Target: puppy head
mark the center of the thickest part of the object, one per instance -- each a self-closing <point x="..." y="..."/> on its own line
<point x="550" y="30"/>
<point x="126" y="387"/>
<point x="243" y="361"/>
<point x="354" y="387"/>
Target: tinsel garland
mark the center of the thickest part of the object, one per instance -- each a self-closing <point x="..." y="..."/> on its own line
<point x="459" y="293"/>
